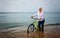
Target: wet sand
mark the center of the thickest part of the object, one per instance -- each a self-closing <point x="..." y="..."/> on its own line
<point x="49" y="32"/>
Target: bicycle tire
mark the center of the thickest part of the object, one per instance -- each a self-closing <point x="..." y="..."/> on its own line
<point x="30" y="28"/>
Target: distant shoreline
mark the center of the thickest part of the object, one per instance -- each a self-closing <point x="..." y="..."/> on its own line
<point x="25" y="12"/>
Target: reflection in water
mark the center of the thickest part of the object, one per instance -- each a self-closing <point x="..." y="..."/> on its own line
<point x="52" y="31"/>
<point x="38" y="34"/>
<point x="49" y="32"/>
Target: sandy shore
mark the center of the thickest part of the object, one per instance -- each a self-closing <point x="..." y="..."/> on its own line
<point x="20" y="32"/>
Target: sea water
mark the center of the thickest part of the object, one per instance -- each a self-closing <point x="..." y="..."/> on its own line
<point x="18" y="19"/>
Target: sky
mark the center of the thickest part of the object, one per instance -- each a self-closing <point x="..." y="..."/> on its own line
<point x="29" y="5"/>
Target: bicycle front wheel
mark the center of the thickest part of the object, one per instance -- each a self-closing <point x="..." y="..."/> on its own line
<point x="30" y="28"/>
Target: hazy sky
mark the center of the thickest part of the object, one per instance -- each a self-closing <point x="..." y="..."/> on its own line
<point x="29" y="5"/>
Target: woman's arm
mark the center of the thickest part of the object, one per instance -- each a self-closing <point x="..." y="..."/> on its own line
<point x="34" y="15"/>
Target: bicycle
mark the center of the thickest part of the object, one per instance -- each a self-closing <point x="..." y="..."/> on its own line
<point x="33" y="26"/>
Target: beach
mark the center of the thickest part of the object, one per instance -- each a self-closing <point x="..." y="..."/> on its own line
<point x="51" y="31"/>
<point x="15" y="18"/>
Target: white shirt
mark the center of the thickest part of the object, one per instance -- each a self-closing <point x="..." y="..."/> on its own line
<point x="40" y="16"/>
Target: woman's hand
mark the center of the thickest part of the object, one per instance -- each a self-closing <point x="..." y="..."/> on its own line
<point x="32" y="16"/>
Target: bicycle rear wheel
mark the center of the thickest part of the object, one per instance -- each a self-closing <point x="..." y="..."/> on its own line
<point x="30" y="28"/>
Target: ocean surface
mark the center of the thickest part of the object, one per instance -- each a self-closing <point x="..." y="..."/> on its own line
<point x="18" y="19"/>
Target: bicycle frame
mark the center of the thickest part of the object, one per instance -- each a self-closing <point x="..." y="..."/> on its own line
<point x="35" y="23"/>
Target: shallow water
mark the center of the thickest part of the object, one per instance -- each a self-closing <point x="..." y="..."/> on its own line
<point x="49" y="32"/>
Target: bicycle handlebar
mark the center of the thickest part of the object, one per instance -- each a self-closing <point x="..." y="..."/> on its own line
<point x="35" y="18"/>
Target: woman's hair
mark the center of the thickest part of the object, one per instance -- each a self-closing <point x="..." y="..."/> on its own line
<point x="40" y="9"/>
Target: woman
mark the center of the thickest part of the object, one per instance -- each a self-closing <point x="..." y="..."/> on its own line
<point x="41" y="19"/>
